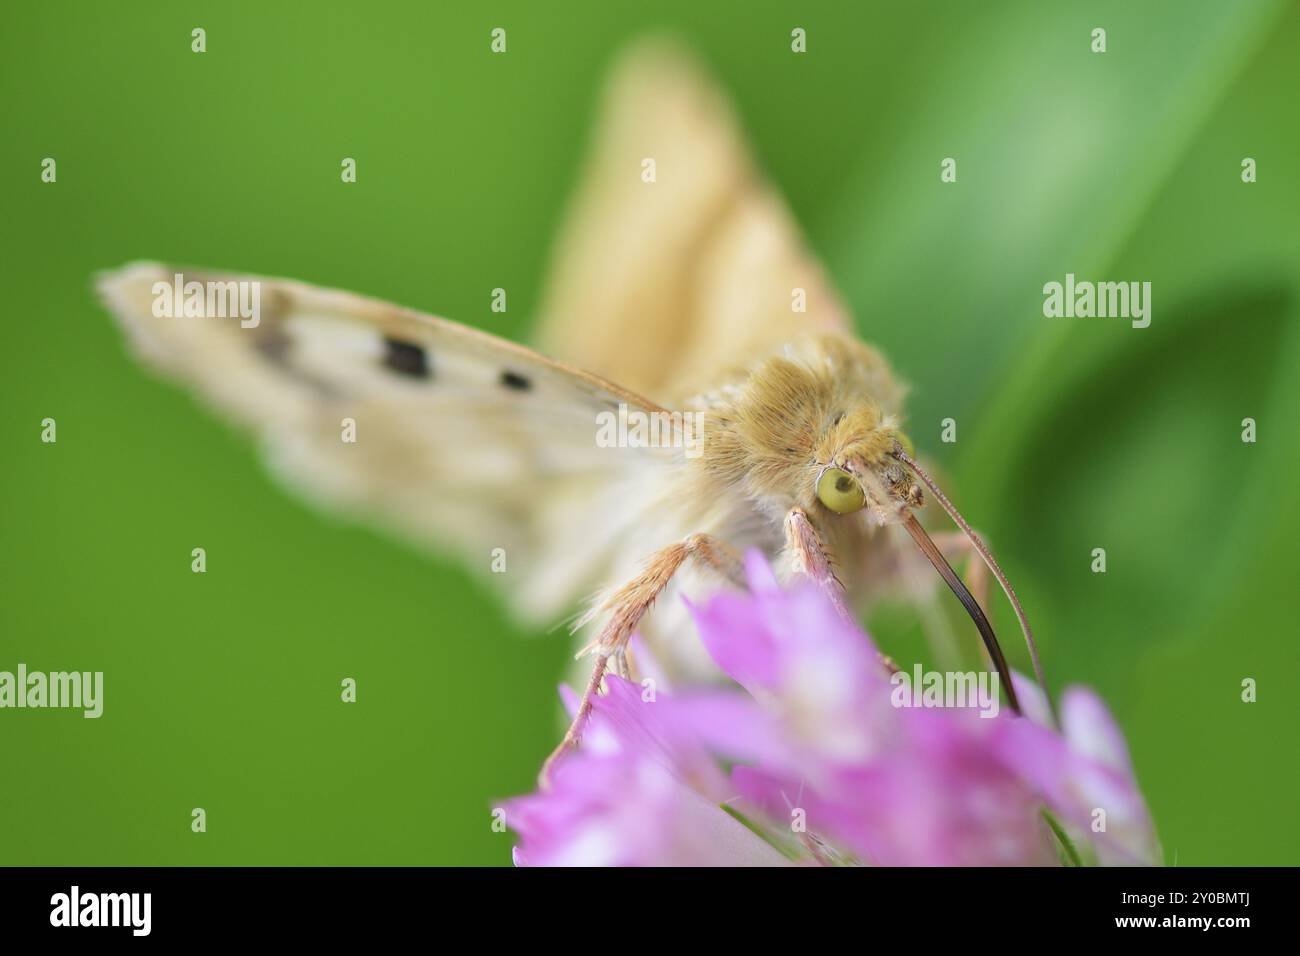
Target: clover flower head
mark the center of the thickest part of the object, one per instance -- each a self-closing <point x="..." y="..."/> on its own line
<point x="808" y="760"/>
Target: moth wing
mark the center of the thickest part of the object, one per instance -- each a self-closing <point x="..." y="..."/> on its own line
<point x="662" y="284"/>
<point x="464" y="442"/>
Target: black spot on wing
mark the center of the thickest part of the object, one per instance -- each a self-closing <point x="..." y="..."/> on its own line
<point x="407" y="358"/>
<point x="273" y="345"/>
<point x="515" y="381"/>
<point x="270" y="337"/>
<point x="276" y="347"/>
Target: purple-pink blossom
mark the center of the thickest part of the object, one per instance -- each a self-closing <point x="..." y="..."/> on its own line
<point x="808" y="760"/>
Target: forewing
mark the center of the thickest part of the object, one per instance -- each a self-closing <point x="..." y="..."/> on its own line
<point x="464" y="442"/>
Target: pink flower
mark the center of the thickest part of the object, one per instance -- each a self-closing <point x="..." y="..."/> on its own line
<point x="824" y="768"/>
<point x="641" y="792"/>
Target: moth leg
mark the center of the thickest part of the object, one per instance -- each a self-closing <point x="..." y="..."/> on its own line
<point x="627" y="606"/>
<point x="958" y="551"/>
<point x="621" y="668"/>
<point x="808" y="557"/>
<point x="574" y="733"/>
<point x="629" y="661"/>
<point x="956" y="547"/>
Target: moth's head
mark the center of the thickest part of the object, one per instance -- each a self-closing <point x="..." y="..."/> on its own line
<point x="868" y="469"/>
<point x="808" y="433"/>
<point x="856" y="471"/>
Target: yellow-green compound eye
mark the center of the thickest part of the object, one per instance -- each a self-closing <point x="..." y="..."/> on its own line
<point x="840" y="491"/>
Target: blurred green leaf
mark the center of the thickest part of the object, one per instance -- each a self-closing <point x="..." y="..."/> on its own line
<point x="1059" y="151"/>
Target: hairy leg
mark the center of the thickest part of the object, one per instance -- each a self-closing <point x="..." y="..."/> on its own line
<point x="956" y="547"/>
<point x="809" y="558"/>
<point x="624" y="610"/>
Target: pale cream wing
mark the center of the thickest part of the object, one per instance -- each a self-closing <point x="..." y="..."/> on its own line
<point x="464" y="442"/>
<point x="665" y="275"/>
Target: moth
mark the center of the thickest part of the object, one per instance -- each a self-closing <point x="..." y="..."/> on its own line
<point x="686" y="294"/>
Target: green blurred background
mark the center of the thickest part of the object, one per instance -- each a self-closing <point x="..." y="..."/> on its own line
<point x="222" y="689"/>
